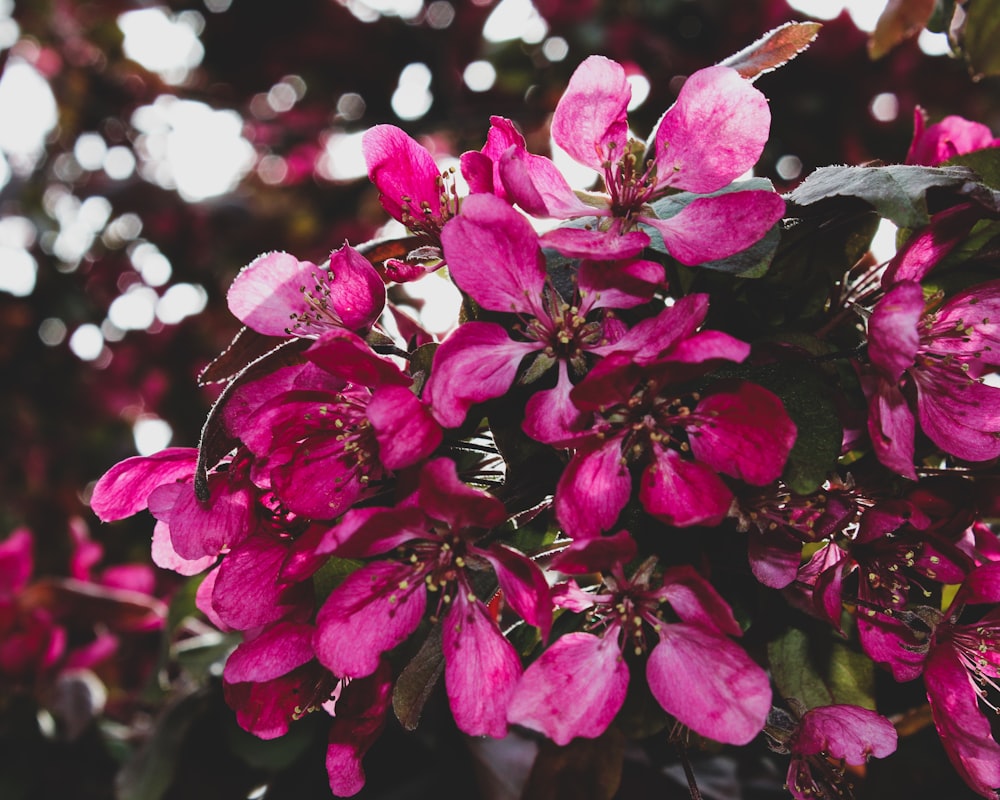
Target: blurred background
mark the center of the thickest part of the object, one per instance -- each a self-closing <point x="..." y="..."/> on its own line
<point x="148" y="152"/>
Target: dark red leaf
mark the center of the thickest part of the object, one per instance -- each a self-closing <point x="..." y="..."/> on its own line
<point x="773" y="49"/>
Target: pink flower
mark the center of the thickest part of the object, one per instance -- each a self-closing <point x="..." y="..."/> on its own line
<point x="278" y="295"/>
<point x="326" y="433"/>
<point x="642" y="413"/>
<point x="937" y="351"/>
<point x="376" y="608"/>
<point x="694" y="669"/>
<point x="713" y="134"/>
<point x="824" y="740"/>
<point x="961" y="675"/>
<point x="493" y="255"/>
<point x="952" y="136"/>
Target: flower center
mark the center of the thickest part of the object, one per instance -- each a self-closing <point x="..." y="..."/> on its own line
<point x="423" y="217"/>
<point x="629" y="183"/>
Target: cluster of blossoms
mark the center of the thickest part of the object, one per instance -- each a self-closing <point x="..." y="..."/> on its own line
<point x="631" y="463"/>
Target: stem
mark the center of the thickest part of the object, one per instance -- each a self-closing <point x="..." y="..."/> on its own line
<point x="688" y="772"/>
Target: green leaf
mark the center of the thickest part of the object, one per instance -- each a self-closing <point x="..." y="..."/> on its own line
<point x="750" y="263"/>
<point x="898" y="192"/>
<point x="979" y="37"/>
<point x="814" y="666"/>
<point x="774" y="49"/>
<point x="985" y="163"/>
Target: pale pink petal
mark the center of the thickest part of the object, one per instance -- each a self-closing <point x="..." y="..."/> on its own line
<point x="370" y="613"/>
<point x="710" y="228"/>
<point x="573" y="689"/>
<point x="590" y="120"/>
<point x="481" y="667"/>
<point x="125" y="488"/>
<point x="493" y="255"/>
<point x="709" y="683"/>
<point x="477" y="362"/>
<point x="266" y="295"/>
<point x="714" y="133"/>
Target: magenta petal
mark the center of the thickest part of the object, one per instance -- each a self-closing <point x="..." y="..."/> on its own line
<point x="593" y="490"/>
<point x="710" y="228"/>
<point x="595" y="555"/>
<point x="277" y="651"/>
<point x="891" y="425"/>
<point x="625" y="284"/>
<point x="960" y="415"/>
<point x="696" y="601"/>
<point x="683" y="493"/>
<point x="477" y="362"/>
<point x="927" y="247"/>
<point x="574" y="689"/>
<point x="358" y="720"/>
<point x="164" y="556"/>
<point x="537" y="186"/>
<point x="714" y="133"/>
<point x="481" y="667"/>
<point x="403" y="171"/>
<point x="482" y="170"/>
<point x="246" y="593"/>
<point x="964" y="730"/>
<point x="590" y="120"/>
<point x="348" y="356"/>
<point x="523" y="585"/>
<point x="848" y="732"/>
<point x="893" y="336"/>
<point x="356" y="293"/>
<point x="17" y="560"/>
<point x="610" y="245"/>
<point x="550" y="416"/>
<point x="405" y="430"/>
<point x="444" y="496"/>
<point x="982" y="584"/>
<point x="199" y="529"/>
<point x="267" y="292"/>
<point x="891" y="644"/>
<point x="493" y="255"/>
<point x="746" y="433"/>
<point x="371" y="612"/>
<point x="709" y="683"/>
<point x="125" y="488"/>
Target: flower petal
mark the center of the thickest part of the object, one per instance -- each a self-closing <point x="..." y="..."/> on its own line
<point x="590" y="120"/>
<point x="683" y="493"/>
<point x="848" y="732"/>
<point x="371" y="612"/>
<point x="710" y="228"/>
<point x="709" y="683"/>
<point x="125" y="488"/>
<point x="714" y="133"/>
<point x="404" y="172"/>
<point x="481" y="667"/>
<point x="593" y="490"/>
<point x="493" y="255"/>
<point x="573" y="689"/>
<point x="405" y="430"/>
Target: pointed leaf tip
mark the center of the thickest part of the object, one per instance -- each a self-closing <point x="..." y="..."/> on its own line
<point x="774" y="49"/>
